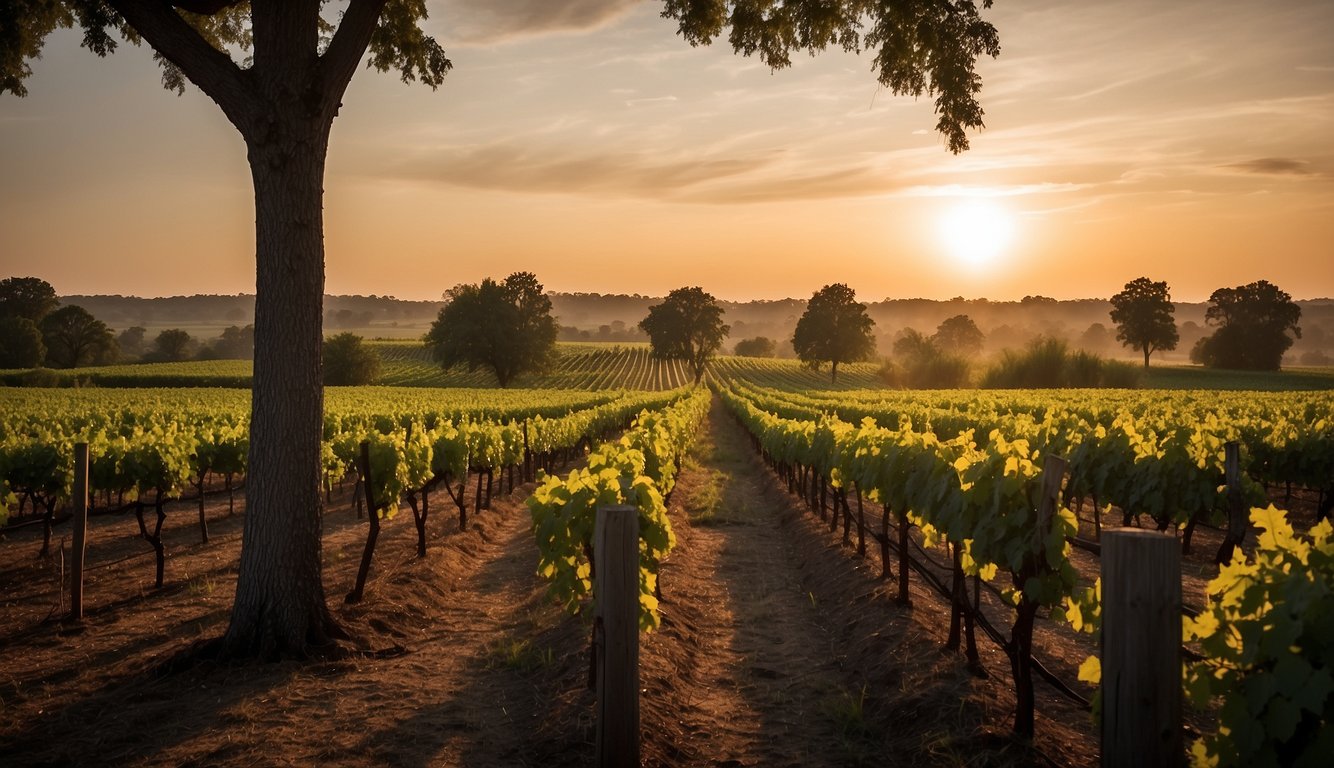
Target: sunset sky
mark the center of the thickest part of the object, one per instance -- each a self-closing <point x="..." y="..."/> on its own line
<point x="1191" y="142"/>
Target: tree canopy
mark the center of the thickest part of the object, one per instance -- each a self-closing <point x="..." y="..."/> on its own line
<point x="74" y="338"/>
<point x="236" y="342"/>
<point x="919" y="47"/>
<point x="834" y="327"/>
<point x="21" y="344"/>
<point x="172" y="345"/>
<point x="760" y="346"/>
<point x="912" y="343"/>
<point x="688" y="325"/>
<point x="958" y="335"/>
<point x="28" y="297"/>
<point x="349" y="362"/>
<point x="1143" y="313"/>
<point x="131" y="341"/>
<point x="1253" y="323"/>
<point x="506" y="327"/>
<point x="927" y="363"/>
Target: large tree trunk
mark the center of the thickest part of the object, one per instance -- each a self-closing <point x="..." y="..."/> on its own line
<point x="280" y="607"/>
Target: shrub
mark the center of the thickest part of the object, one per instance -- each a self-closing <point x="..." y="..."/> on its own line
<point x="760" y="346"/>
<point x="921" y="364"/>
<point x="349" y="362"/>
<point x="1083" y="369"/>
<point x="1048" y="363"/>
<point x="1119" y="374"/>
<point x="937" y="370"/>
<point x="1041" y="365"/>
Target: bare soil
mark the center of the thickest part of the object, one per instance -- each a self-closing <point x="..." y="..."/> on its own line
<point x="779" y="646"/>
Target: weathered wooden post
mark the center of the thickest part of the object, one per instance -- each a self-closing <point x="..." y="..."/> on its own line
<point x="1141" y="649"/>
<point x="616" y="631"/>
<point x="80" y="524"/>
<point x="1236" y="504"/>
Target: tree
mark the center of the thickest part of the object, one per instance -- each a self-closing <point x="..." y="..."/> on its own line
<point x="171" y="345"/>
<point x="506" y="327"/>
<point x="834" y="327"/>
<point x="234" y="343"/>
<point x="28" y="297"/>
<point x="74" y="338"/>
<point x="131" y="341"/>
<point x="1095" y="338"/>
<point x="283" y="99"/>
<point x="1253" y="322"/>
<point x="924" y="363"/>
<point x="688" y="325"/>
<point x="958" y="335"/>
<point x="911" y="343"/>
<point x="349" y="362"/>
<point x="760" y="346"/>
<point x="21" y="343"/>
<point x="1143" y="316"/>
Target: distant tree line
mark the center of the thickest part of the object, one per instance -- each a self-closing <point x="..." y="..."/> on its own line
<point x="35" y="331"/>
<point x="508" y="328"/>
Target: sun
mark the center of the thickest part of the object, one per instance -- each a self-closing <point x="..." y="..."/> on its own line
<point x="976" y="232"/>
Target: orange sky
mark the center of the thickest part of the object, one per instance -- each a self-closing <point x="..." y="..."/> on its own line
<point x="1187" y="142"/>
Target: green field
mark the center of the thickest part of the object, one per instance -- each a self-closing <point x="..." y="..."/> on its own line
<point x="594" y="366"/>
<point x="1196" y="377"/>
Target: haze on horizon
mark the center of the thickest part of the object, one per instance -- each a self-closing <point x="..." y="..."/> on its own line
<point x="587" y="143"/>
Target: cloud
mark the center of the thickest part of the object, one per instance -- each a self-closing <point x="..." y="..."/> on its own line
<point x="650" y="100"/>
<point x="498" y="21"/>
<point x="1280" y="166"/>
<point x="719" y="178"/>
<point x="510" y="167"/>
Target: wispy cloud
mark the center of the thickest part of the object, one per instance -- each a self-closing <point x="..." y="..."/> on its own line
<point x="512" y="167"/>
<point x="649" y="100"/>
<point x="499" y="21"/>
<point x="1280" y="166"/>
<point x="715" y="177"/>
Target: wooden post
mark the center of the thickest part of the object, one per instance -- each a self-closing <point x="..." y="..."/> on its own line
<point x="616" y="631"/>
<point x="1236" y="504"/>
<point x="80" y="524"/>
<point x="1053" y="473"/>
<point x="1141" y="644"/>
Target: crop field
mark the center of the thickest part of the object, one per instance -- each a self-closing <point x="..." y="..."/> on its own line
<point x="873" y="499"/>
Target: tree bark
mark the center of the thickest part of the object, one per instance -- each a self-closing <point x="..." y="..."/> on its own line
<point x="280" y="607"/>
<point x="283" y="105"/>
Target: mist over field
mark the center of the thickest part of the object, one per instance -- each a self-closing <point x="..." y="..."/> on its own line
<point x="613" y="318"/>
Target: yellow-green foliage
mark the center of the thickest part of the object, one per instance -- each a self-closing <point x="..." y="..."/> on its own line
<point x="1268" y="640"/>
<point x="636" y="470"/>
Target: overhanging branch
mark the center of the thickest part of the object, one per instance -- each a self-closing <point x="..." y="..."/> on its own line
<point x="205" y="7"/>
<point x="211" y="70"/>
<point x="348" y="46"/>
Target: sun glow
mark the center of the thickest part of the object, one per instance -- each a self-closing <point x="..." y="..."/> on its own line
<point x="976" y="232"/>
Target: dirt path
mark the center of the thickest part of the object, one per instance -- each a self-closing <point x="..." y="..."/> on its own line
<point x="780" y="648"/>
